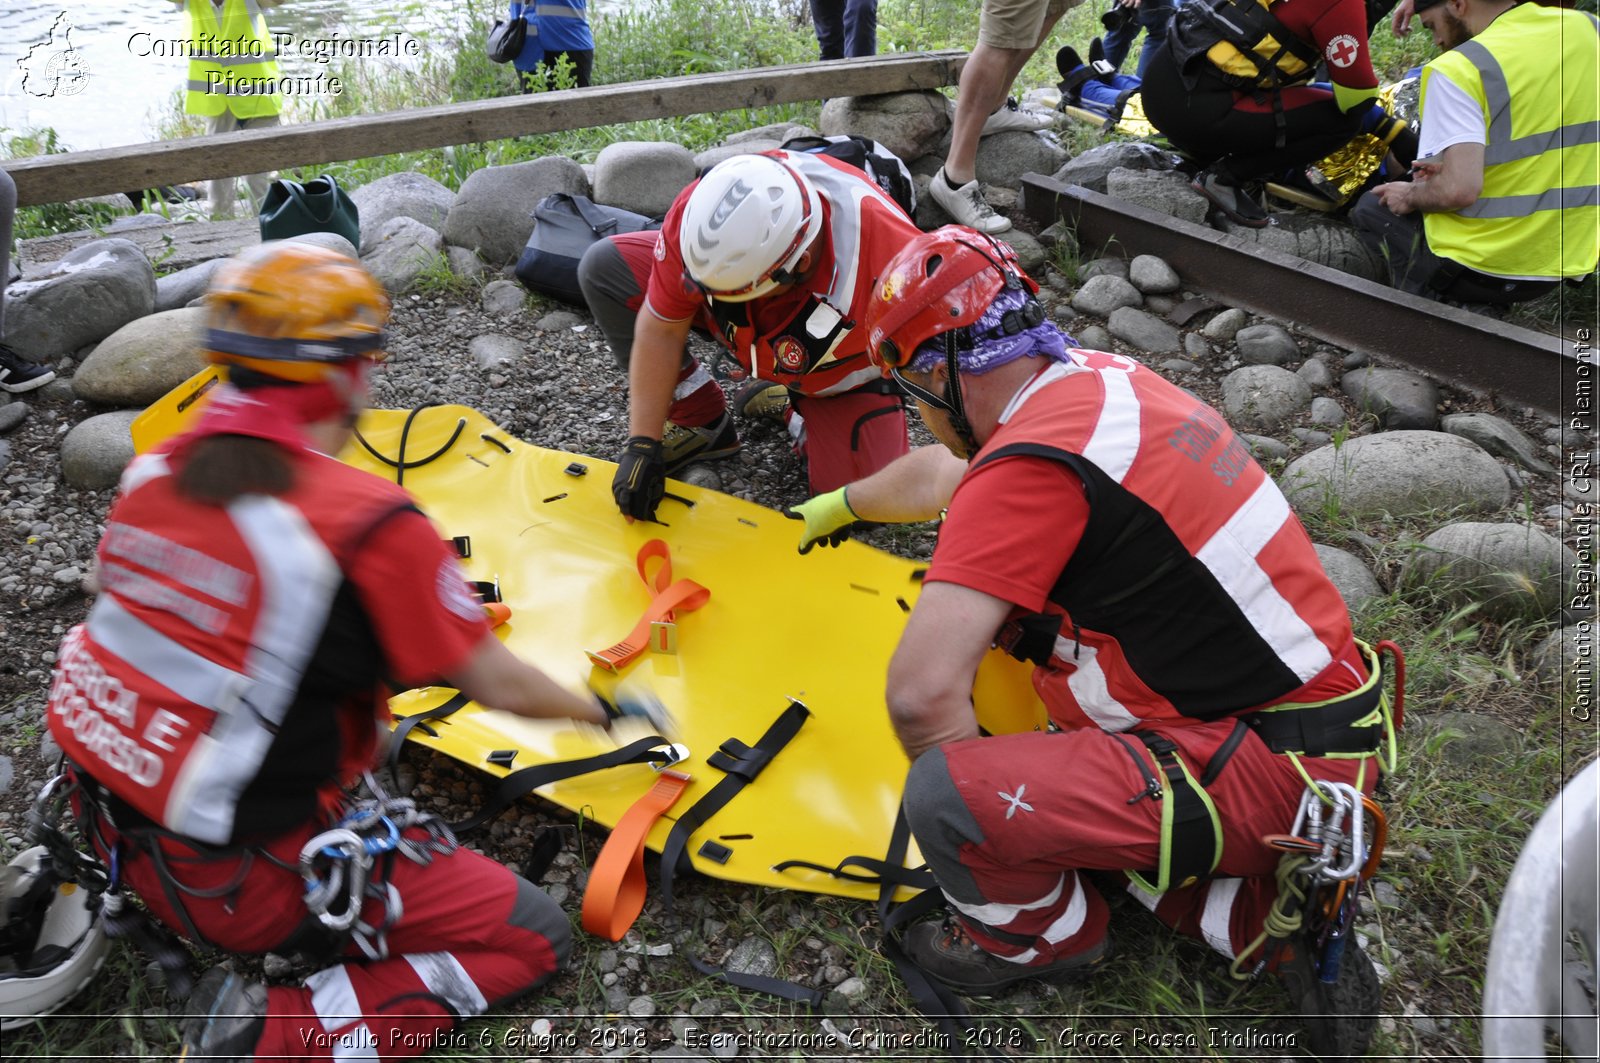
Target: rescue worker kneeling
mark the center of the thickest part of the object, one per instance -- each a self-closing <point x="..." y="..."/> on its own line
<point x="256" y="596"/>
<point x="1197" y="663"/>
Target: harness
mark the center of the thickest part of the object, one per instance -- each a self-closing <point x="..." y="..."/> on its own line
<point x="1244" y="46"/>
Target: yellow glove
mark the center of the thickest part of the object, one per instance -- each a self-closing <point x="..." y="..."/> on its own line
<point x="828" y="519"/>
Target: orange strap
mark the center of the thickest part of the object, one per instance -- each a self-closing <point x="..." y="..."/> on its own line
<point x="667" y="598"/>
<point x="615" y="896"/>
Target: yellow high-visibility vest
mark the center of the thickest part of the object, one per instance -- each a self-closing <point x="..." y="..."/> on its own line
<point x="1534" y="73"/>
<point x="231" y="54"/>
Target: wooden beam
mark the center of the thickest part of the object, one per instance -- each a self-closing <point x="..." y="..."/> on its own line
<point x="58" y="178"/>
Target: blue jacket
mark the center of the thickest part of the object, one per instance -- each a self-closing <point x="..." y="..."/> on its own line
<point x="532" y="53"/>
<point x="563" y="25"/>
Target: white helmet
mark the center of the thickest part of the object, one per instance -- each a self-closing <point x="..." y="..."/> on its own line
<point x="51" y="940"/>
<point x="746" y="224"/>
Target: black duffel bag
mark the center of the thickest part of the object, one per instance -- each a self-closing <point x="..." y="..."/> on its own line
<point x="563" y="228"/>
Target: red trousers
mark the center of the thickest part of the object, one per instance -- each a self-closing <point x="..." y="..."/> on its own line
<point x="471" y="934"/>
<point x="1006" y="824"/>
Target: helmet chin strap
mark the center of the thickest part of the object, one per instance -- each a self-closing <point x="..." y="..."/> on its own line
<point x="949" y="403"/>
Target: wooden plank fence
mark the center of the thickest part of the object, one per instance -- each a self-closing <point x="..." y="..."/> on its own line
<point x="58" y="178"/>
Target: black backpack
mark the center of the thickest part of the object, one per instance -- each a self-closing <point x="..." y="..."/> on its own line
<point x="867" y="155"/>
<point x="563" y="228"/>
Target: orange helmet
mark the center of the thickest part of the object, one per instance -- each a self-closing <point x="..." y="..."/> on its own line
<point x="938" y="282"/>
<point x="294" y="312"/>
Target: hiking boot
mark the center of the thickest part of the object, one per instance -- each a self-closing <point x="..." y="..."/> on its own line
<point x="17" y="374"/>
<point x="1012" y="116"/>
<point x="966" y="205"/>
<point x="760" y="398"/>
<point x="1231" y="200"/>
<point x="946" y="953"/>
<point x="1340" y="1016"/>
<point x="684" y="444"/>
<point x="224" y="1018"/>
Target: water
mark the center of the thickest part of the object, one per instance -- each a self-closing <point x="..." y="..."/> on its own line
<point x="114" y="88"/>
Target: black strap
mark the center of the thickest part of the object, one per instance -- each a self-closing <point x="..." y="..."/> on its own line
<point x="742" y="764"/>
<point x="1190" y="848"/>
<point x="782" y="988"/>
<point x="1224" y="753"/>
<point x="1323" y="729"/>
<point x="405" y="724"/>
<point x="518" y="783"/>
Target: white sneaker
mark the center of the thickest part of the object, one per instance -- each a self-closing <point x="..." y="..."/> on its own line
<point x="966" y="205"/>
<point x="1014" y="116"/>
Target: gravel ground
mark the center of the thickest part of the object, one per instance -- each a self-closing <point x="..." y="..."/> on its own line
<point x="565" y="393"/>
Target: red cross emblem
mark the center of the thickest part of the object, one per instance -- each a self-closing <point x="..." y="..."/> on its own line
<point x="1343" y="50"/>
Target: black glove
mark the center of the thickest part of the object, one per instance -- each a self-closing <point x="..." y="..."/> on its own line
<point x="641" y="478"/>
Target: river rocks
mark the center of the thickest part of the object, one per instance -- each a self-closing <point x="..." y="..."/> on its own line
<point x="1144" y="331"/>
<point x="1398" y="398"/>
<point x="1349" y="574"/>
<point x="1400" y="474"/>
<point x="504" y="297"/>
<point x="1092" y="168"/>
<point x="1266" y="344"/>
<point x="327" y="241"/>
<point x="642" y="176"/>
<point x="1325" y="411"/>
<point x="1152" y="276"/>
<point x="1225" y="326"/>
<point x="1102" y="295"/>
<point x="185" y="286"/>
<point x="1261" y="398"/>
<point x="708" y="158"/>
<point x="464" y="264"/>
<point x="1511" y="571"/>
<point x="910" y="124"/>
<point x="401" y="251"/>
<point x="1316" y="373"/>
<point x="1499" y="437"/>
<point x="754" y="956"/>
<point x="1094" y="338"/>
<point x="85" y="297"/>
<point x="144" y="359"/>
<point x="1109" y="265"/>
<point x="95" y="452"/>
<point x="1565" y="661"/>
<point x="1007" y="156"/>
<point x="1165" y="192"/>
<point x="401" y="195"/>
<point x="12" y="414"/>
<point x="493" y="351"/>
<point x="493" y="212"/>
<point x="1327" y="243"/>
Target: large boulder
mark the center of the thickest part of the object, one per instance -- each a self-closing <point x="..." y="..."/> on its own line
<point x="910" y="124"/>
<point x="85" y="297"/>
<point x="1092" y="168"/>
<point x="406" y="194"/>
<point x="493" y="212"/>
<point x="1499" y="437"/>
<point x="1005" y="157"/>
<point x="185" y="286"/>
<point x="1163" y="191"/>
<point x="1510" y="571"/>
<point x="1313" y="238"/>
<point x="718" y="152"/>
<point x="1262" y="398"/>
<point x="1398" y="398"/>
<point x="1401" y="474"/>
<point x="642" y="176"/>
<point x="401" y="252"/>
<point x="144" y="359"/>
<point x="97" y="449"/>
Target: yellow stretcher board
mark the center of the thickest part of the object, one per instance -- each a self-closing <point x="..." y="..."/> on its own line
<point x="819" y="629"/>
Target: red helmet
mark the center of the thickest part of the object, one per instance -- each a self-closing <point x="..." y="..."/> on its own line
<point x="940" y="281"/>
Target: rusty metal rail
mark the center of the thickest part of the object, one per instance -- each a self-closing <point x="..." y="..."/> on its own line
<point x="1475" y="353"/>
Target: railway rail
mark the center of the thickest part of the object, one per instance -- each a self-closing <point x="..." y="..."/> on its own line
<point x="1489" y="358"/>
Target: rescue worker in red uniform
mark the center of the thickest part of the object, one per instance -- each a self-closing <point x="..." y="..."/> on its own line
<point x="256" y="596"/>
<point x="1193" y="656"/>
<point x="1230" y="92"/>
<point x="773" y="255"/>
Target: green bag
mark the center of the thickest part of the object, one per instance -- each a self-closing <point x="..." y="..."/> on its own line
<point x="291" y="209"/>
